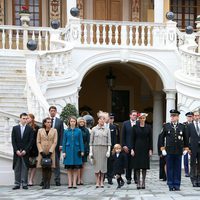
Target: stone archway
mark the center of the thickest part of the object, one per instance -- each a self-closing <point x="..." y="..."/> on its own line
<point x="150" y="70"/>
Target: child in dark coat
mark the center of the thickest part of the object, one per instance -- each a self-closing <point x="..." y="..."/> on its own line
<point x="119" y="164"/>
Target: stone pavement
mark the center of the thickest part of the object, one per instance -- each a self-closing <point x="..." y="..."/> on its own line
<point x="155" y="190"/>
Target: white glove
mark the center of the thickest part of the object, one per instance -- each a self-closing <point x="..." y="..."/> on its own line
<point x="91" y="153"/>
<point x="108" y="154"/>
<point x="164" y="153"/>
<point x="185" y="152"/>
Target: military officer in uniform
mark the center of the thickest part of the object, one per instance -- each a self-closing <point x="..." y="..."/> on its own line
<point x="176" y="141"/>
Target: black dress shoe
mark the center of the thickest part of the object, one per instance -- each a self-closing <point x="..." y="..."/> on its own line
<point x="171" y="189"/>
<point x="16" y="187"/>
<point x="122" y="183"/>
<point x="58" y="184"/>
<point x="119" y="186"/>
<point x="25" y="187"/>
<point x="42" y="183"/>
<point x="128" y="182"/>
<point x="110" y="182"/>
<point x="177" y="189"/>
<point x="194" y="185"/>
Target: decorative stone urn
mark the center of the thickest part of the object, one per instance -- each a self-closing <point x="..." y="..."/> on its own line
<point x="25" y="19"/>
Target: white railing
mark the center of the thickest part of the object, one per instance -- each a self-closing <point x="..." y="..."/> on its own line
<point x="16" y="37"/>
<point x="190" y="63"/>
<point x="126" y="34"/>
<point x="37" y="104"/>
<point x="55" y="64"/>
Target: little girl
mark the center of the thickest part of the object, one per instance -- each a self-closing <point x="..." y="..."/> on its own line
<point x="119" y="164"/>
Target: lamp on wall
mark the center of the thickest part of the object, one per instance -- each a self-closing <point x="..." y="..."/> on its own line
<point x="110" y="78"/>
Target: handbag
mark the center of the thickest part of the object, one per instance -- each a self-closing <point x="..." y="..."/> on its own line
<point x="46" y="162"/>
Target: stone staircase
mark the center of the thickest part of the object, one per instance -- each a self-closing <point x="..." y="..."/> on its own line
<point x="13" y="101"/>
<point x="12" y="84"/>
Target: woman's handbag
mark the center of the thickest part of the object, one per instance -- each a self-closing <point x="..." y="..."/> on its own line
<point x="46" y="162"/>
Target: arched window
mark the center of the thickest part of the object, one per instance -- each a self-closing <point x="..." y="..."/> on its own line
<point x="34" y="7"/>
<point x="185" y="12"/>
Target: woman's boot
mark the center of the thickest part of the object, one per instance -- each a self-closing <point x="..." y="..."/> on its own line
<point x="143" y="178"/>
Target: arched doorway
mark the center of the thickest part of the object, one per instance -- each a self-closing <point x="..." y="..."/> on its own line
<point x="136" y="87"/>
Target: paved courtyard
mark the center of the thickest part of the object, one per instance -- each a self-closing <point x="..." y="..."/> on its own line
<point x="155" y="190"/>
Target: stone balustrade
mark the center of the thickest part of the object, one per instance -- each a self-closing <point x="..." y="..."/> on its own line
<point x="125" y="34"/>
<point x="16" y="37"/>
<point x="190" y="63"/>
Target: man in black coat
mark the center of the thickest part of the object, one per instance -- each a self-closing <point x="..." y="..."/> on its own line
<point x="115" y="139"/>
<point x="176" y="140"/>
<point x="189" y="116"/>
<point x="58" y="125"/>
<point x="194" y="138"/>
<point x="22" y="140"/>
<point x="127" y="131"/>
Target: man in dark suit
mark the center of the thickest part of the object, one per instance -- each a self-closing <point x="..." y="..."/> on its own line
<point x="58" y="125"/>
<point x="114" y="133"/>
<point x="22" y="140"/>
<point x="127" y="131"/>
<point x="189" y="116"/>
<point x="176" y="140"/>
<point x="194" y="138"/>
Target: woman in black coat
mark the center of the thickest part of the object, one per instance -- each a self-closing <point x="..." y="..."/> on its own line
<point x="33" y="154"/>
<point x="141" y="149"/>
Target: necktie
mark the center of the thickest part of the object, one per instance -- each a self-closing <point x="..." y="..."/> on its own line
<point x="197" y="128"/>
<point x="22" y="131"/>
<point x="52" y="120"/>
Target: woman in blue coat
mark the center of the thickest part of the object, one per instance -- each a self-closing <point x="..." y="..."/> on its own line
<point x="73" y="150"/>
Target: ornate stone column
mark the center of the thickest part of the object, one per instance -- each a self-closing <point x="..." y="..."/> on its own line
<point x="170" y="102"/>
<point x="157" y="118"/>
<point x="158" y="11"/>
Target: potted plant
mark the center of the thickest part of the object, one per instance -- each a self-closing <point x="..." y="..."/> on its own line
<point x="67" y="111"/>
<point x="24" y="16"/>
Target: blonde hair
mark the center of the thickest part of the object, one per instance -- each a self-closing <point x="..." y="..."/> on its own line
<point x="81" y="119"/>
<point x="116" y="146"/>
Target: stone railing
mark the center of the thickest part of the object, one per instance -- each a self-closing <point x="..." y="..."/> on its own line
<point x="43" y="68"/>
<point x="190" y="63"/>
<point x="16" y="37"/>
<point x="7" y="121"/>
<point x="124" y="34"/>
<point x="55" y="64"/>
<point x="190" y="56"/>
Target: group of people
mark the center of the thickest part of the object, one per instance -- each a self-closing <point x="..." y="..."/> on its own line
<point x="101" y="144"/>
<point x="31" y="144"/>
<point x="177" y="139"/>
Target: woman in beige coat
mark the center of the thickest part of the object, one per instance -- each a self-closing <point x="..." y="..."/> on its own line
<point x="46" y="143"/>
<point x="100" y="143"/>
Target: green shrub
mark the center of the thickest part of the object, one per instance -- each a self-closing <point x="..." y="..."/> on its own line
<point x="67" y="111"/>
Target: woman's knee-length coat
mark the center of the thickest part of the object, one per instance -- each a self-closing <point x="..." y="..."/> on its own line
<point x="46" y="143"/>
<point x="73" y="146"/>
<point x="141" y="144"/>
